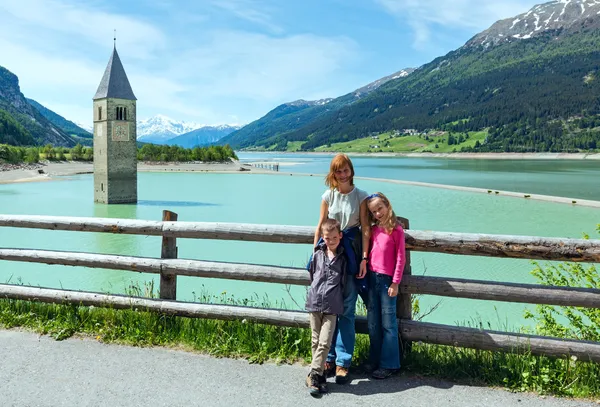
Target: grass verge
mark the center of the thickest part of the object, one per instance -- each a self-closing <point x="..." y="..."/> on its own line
<point x="259" y="343"/>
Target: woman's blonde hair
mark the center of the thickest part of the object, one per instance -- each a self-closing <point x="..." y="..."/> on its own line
<point x="390" y="222"/>
<point x="337" y="163"/>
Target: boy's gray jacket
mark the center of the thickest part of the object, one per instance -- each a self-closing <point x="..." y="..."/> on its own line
<point x="326" y="292"/>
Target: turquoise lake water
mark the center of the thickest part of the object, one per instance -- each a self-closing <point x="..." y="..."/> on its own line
<point x="292" y="200"/>
<point x="568" y="178"/>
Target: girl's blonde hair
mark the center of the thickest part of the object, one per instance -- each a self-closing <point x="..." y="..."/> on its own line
<point x="337" y="163"/>
<point x="390" y="222"/>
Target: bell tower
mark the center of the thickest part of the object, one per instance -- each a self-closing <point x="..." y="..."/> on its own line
<point x="115" y="141"/>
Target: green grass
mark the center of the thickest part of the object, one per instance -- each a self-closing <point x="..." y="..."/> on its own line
<point x="405" y="144"/>
<point x="294" y="145"/>
<point x="259" y="343"/>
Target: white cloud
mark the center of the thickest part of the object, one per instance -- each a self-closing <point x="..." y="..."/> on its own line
<point x="81" y="23"/>
<point x="199" y="73"/>
<point x="249" y="10"/>
<point x="424" y="15"/>
<point x="260" y="67"/>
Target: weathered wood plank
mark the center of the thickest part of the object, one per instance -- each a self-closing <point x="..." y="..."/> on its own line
<point x="526" y="247"/>
<point x="497" y="291"/>
<point x="168" y="282"/>
<point x="522" y="247"/>
<point x="498" y="341"/>
<point x="180" y="267"/>
<point x="409" y="330"/>
<point x="404" y="303"/>
<point x="240" y="231"/>
<point x="169" y="307"/>
<point x="442" y="286"/>
<point x="80" y="224"/>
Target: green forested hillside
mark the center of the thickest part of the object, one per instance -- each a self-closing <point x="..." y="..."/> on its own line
<point x="270" y="130"/>
<point x="539" y="94"/>
<point x="13" y="103"/>
<point x="524" y="91"/>
<point x="66" y="125"/>
<point x="11" y="131"/>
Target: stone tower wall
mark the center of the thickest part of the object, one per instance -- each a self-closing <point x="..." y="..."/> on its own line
<point x="115" y="152"/>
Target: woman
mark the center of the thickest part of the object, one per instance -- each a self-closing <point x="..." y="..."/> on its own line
<point x="346" y="203"/>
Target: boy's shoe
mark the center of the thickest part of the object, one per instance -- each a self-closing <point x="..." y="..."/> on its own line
<point x="329" y="370"/>
<point x="312" y="382"/>
<point x="383" y="373"/>
<point x="342" y="375"/>
<point x="323" y="384"/>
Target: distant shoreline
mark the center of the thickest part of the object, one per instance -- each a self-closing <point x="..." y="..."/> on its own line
<point x="477" y="156"/>
<point x="54" y="171"/>
<point x="16" y="173"/>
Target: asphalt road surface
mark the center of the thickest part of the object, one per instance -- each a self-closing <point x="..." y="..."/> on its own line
<point x="39" y="371"/>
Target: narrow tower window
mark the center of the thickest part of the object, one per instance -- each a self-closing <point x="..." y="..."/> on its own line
<point x="99" y="112"/>
<point x="124" y="113"/>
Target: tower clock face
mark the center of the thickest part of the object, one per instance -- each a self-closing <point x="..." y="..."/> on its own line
<point x="121" y="132"/>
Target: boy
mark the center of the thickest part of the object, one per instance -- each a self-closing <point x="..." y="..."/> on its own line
<point x="325" y="300"/>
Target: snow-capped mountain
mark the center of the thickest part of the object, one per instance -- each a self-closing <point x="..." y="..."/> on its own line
<point x="554" y="16"/>
<point x="358" y="93"/>
<point x="203" y="136"/>
<point x="160" y="128"/>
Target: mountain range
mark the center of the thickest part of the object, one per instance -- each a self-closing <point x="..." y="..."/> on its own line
<point x="161" y="129"/>
<point x="268" y="130"/>
<point x="24" y="121"/>
<point x="530" y="82"/>
<point x="24" y="124"/>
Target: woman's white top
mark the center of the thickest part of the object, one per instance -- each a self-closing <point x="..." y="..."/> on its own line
<point x="345" y="208"/>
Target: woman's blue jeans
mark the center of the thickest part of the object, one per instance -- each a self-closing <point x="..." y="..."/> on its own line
<point x="384" y="349"/>
<point x="344" y="335"/>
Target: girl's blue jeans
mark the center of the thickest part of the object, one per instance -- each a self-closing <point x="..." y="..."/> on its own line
<point x="384" y="350"/>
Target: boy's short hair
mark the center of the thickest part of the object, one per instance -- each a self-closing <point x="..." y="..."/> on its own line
<point x="330" y="225"/>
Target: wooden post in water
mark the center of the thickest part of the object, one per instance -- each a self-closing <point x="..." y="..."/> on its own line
<point x="168" y="283"/>
<point x="404" y="303"/>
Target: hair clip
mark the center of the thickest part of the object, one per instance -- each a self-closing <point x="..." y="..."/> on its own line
<point x="374" y="196"/>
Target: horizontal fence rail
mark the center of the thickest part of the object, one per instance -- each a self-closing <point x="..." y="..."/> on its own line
<point x="472" y="244"/>
<point x="440" y="286"/>
<point x="410" y="330"/>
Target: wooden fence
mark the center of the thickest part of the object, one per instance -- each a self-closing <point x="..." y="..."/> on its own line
<point x="169" y="267"/>
<point x="266" y="166"/>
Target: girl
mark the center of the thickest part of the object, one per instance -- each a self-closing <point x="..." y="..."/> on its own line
<point x="386" y="261"/>
<point x="346" y="203"/>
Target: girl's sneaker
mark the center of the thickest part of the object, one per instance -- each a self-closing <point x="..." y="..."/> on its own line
<point x="369" y="367"/>
<point x="383" y="373"/>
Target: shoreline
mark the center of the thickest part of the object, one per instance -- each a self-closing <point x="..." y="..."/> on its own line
<point x="40" y="172"/>
<point x="473" y="156"/>
<point x="53" y="171"/>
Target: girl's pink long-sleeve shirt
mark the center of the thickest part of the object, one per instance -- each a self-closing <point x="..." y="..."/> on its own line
<point x="387" y="254"/>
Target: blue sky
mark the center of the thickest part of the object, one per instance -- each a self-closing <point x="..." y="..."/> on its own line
<point x="228" y="61"/>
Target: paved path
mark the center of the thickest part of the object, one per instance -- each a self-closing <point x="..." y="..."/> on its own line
<point x="38" y="371"/>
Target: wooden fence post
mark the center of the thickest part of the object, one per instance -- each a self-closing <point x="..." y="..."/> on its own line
<point x="404" y="303"/>
<point x="168" y="283"/>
